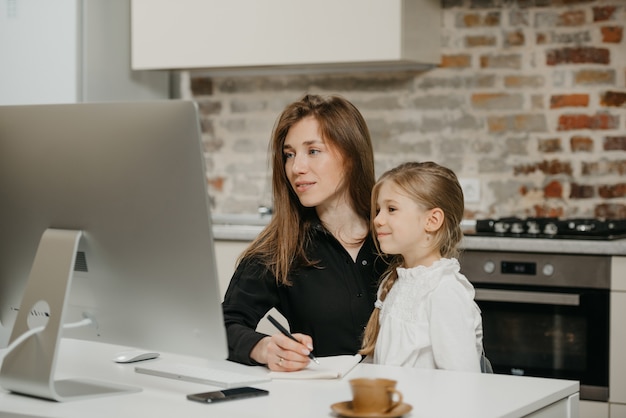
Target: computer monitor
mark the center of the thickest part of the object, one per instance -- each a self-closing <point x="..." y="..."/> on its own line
<point x="110" y="201"/>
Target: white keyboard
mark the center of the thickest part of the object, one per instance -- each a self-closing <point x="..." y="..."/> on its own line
<point x="202" y="374"/>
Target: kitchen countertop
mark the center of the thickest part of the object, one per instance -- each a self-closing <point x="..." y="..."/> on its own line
<point x="545" y="245"/>
<point x="247" y="227"/>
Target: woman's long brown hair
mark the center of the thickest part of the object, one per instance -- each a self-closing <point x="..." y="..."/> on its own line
<point x="281" y="245"/>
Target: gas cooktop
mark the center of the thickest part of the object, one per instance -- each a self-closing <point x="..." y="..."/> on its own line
<point x="576" y="228"/>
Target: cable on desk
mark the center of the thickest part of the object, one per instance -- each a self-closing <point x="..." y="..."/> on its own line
<point x="33" y="331"/>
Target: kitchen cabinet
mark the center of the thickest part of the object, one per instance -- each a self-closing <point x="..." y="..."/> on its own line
<point x="617" y="376"/>
<point x="227" y="251"/>
<point x="590" y="409"/>
<point x="319" y="35"/>
<point x="68" y="51"/>
<point x="617" y="411"/>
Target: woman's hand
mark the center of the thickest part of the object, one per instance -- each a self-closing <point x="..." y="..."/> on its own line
<point x="281" y="353"/>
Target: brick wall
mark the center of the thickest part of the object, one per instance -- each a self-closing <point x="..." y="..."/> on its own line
<point x="529" y="100"/>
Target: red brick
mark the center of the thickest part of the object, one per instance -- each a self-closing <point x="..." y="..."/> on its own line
<point x="513" y="61"/>
<point x="531" y="81"/>
<point x="456" y="61"/>
<point x="201" y="86"/>
<point x="490" y="19"/>
<point x="541" y="38"/>
<point x="524" y="169"/>
<point x="590" y="168"/>
<point x="612" y="34"/>
<point x="590" y="77"/>
<point x="579" y="55"/>
<point x="550" y="145"/>
<point x="472" y="41"/>
<point x="555" y="167"/>
<point x="614" y="143"/>
<point x="604" y="121"/>
<point x="517" y="123"/>
<point x="598" y="121"/>
<point x="553" y="189"/>
<point x="613" y="99"/>
<point x="496" y="101"/>
<point x="216" y="183"/>
<point x="471" y="20"/>
<point x="546" y="167"/>
<point x="581" y="191"/>
<point x="612" y="191"/>
<point x="571" y="122"/>
<point x="617" y="167"/>
<point x="603" y="13"/>
<point x="581" y="144"/>
<point x="572" y="18"/>
<point x="604" y="168"/>
<point x="569" y="100"/>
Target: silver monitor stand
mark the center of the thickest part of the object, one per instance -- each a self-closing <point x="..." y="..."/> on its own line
<point x="29" y="368"/>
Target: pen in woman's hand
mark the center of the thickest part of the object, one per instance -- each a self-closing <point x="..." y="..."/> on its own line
<point x="288" y="334"/>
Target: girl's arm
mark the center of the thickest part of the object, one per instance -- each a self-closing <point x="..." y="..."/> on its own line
<point x="453" y="317"/>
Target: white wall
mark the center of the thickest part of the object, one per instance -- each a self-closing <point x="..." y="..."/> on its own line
<point x="68" y="51"/>
<point x="38" y="51"/>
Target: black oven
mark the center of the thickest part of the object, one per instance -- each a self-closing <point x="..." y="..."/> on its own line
<point x="545" y="315"/>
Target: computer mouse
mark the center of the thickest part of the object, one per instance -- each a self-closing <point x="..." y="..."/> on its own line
<point x="132" y="356"/>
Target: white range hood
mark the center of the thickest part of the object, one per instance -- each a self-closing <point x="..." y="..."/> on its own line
<point x="285" y="35"/>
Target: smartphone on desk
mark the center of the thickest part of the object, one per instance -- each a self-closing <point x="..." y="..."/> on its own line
<point x="227" y="394"/>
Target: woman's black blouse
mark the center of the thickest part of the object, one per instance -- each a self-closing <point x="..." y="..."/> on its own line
<point x="331" y="301"/>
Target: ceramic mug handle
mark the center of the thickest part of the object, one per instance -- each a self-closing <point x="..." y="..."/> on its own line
<point x="397" y="402"/>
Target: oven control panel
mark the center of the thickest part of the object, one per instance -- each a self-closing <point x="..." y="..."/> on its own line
<point x="518" y="267"/>
<point x="563" y="270"/>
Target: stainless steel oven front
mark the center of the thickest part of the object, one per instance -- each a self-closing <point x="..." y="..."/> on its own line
<point x="545" y="315"/>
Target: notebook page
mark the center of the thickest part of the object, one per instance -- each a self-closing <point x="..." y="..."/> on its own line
<point x="332" y="367"/>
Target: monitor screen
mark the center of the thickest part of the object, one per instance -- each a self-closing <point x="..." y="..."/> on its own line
<point x="130" y="178"/>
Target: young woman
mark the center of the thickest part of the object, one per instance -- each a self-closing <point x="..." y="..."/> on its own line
<point x="425" y="314"/>
<point x="315" y="262"/>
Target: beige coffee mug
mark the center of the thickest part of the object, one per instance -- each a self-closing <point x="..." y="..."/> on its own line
<point x="374" y="395"/>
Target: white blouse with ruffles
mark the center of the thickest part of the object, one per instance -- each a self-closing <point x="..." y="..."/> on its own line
<point x="429" y="320"/>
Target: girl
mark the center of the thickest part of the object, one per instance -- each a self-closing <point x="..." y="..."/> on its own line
<point x="315" y="262"/>
<point x="425" y="315"/>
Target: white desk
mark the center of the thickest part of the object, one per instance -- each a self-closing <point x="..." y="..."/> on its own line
<point x="432" y="393"/>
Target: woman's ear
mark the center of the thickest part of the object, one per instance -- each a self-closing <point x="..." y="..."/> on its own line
<point x="434" y="220"/>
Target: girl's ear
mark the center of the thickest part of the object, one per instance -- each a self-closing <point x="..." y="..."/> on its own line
<point x="434" y="220"/>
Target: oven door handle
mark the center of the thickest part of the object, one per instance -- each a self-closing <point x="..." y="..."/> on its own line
<point x="515" y="296"/>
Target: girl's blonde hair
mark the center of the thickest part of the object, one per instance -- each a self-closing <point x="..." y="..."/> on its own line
<point x="282" y="244"/>
<point x="431" y="186"/>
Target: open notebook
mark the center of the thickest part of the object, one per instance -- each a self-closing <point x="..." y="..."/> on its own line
<point x="333" y="367"/>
